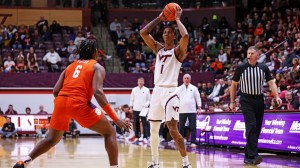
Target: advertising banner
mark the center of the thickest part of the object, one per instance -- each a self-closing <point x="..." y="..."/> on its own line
<point x="28" y="122"/>
<point x="280" y="131"/>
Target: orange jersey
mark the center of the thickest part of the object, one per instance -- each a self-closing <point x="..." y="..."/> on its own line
<point x="78" y="80"/>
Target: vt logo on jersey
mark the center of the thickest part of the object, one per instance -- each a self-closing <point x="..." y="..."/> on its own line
<point x="164" y="57"/>
<point x="175" y="108"/>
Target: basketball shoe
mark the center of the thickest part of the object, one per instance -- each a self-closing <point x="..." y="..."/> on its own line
<point x="193" y="145"/>
<point x="22" y="164"/>
<point x="187" y="166"/>
<point x="154" y="165"/>
<point x="135" y="140"/>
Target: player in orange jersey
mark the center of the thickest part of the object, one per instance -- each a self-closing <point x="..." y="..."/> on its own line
<point x="73" y="93"/>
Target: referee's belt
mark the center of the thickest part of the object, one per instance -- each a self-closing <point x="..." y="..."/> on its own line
<point x="251" y="96"/>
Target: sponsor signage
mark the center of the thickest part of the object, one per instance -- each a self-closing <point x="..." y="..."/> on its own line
<point x="280" y="131"/>
<point x="28" y="122"/>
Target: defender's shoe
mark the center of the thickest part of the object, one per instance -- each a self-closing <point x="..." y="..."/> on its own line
<point x="21" y="164"/>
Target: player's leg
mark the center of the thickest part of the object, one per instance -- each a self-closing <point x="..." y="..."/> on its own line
<point x="179" y="141"/>
<point x="43" y="146"/>
<point x="154" y="141"/>
<point x="89" y="116"/>
<point x="59" y="123"/>
<point x="155" y="116"/>
<point x="172" y="117"/>
<point x="104" y="128"/>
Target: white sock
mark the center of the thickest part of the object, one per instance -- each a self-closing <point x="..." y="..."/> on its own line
<point x="115" y="166"/>
<point x="154" y="140"/>
<point x="185" y="160"/>
<point x="155" y="159"/>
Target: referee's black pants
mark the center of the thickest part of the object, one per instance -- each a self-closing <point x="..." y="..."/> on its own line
<point x="253" y="110"/>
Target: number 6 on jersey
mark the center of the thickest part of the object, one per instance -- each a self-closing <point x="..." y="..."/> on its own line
<point x="77" y="71"/>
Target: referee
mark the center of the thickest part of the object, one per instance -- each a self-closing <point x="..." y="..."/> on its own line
<point x="251" y="77"/>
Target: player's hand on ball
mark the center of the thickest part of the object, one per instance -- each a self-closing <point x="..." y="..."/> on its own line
<point x="178" y="12"/>
<point x="162" y="17"/>
<point x="126" y="125"/>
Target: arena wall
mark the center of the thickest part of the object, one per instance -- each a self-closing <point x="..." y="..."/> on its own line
<point x="69" y="17"/>
<point x="34" y="98"/>
<point x="195" y="15"/>
<point x="112" y="80"/>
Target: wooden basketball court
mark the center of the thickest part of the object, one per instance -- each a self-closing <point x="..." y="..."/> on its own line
<point x="89" y="152"/>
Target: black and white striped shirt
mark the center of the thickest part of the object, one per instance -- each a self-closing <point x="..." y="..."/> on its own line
<point x="252" y="78"/>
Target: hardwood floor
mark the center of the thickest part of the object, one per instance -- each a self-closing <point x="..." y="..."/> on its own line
<point x="89" y="152"/>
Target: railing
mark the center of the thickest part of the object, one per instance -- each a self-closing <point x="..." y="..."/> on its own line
<point x="106" y="45"/>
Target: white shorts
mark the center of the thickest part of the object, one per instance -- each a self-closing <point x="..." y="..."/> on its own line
<point x="164" y="104"/>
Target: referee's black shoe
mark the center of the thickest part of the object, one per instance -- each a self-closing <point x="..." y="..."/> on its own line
<point x="257" y="160"/>
<point x="248" y="161"/>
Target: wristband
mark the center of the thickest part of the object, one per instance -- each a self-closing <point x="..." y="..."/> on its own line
<point x="110" y="112"/>
<point x="232" y="102"/>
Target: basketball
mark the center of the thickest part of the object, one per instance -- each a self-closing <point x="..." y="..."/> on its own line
<point x="169" y="11"/>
